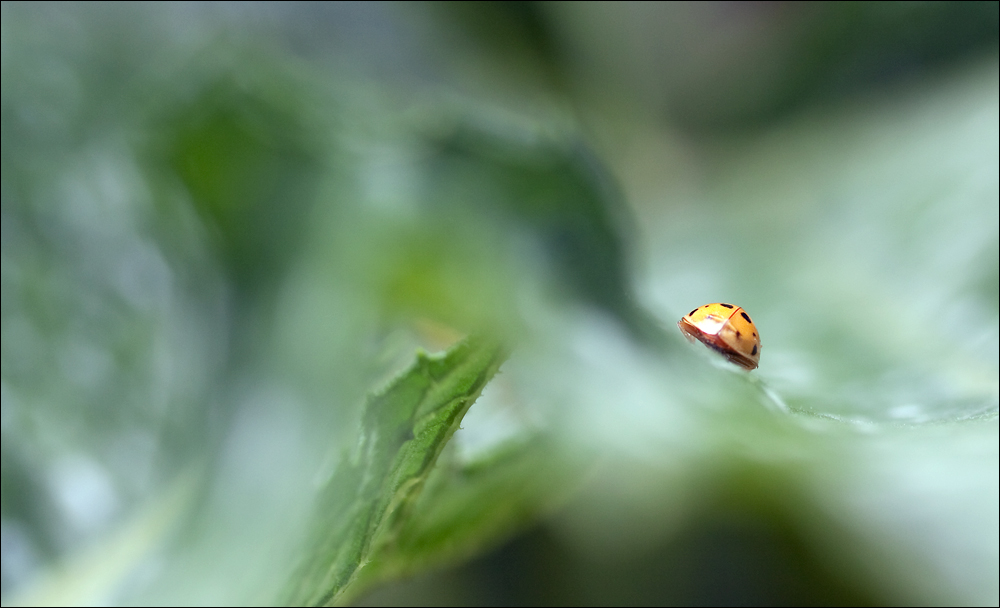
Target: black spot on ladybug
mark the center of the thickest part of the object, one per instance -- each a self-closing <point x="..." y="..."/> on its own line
<point x="737" y="333"/>
<point x="745" y="316"/>
<point x="754" y="334"/>
<point x="753" y="353"/>
<point x="726" y="305"/>
<point x="692" y="312"/>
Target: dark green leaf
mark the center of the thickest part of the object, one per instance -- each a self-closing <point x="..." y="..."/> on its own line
<point x="404" y="429"/>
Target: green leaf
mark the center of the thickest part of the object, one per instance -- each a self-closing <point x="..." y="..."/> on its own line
<point x="467" y="508"/>
<point x="404" y="429"/>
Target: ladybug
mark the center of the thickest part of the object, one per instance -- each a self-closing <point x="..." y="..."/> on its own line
<point x="726" y="329"/>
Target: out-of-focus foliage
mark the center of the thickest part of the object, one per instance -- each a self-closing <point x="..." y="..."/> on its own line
<point x="223" y="225"/>
<point x="718" y="67"/>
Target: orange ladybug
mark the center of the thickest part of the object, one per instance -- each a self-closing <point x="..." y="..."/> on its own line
<point x="726" y="329"/>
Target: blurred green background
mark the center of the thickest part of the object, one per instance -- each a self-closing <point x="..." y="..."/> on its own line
<point x="223" y="224"/>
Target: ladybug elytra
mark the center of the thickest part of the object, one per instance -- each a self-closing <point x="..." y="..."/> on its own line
<point x="726" y="329"/>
